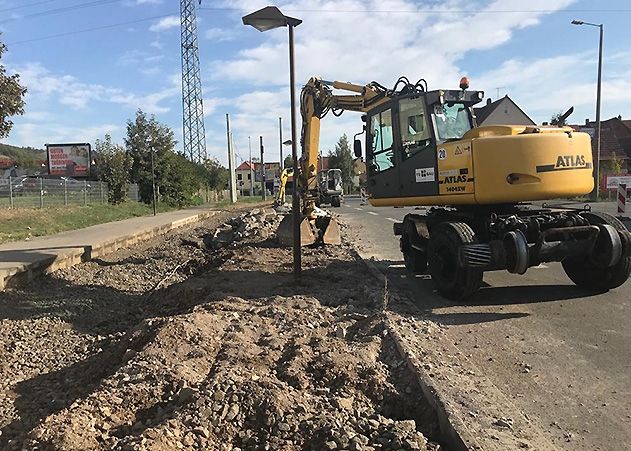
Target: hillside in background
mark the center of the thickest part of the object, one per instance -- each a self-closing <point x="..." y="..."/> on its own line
<point x="23" y="156"/>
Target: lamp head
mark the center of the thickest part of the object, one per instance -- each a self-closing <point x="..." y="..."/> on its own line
<point x="269" y="18"/>
<point x="577" y="22"/>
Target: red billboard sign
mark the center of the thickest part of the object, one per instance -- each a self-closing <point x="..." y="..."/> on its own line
<point x="70" y="160"/>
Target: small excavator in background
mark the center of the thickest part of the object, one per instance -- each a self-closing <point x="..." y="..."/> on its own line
<point x="329" y="185"/>
<point x="423" y="148"/>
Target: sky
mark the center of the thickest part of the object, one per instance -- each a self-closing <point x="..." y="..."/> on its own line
<point x="89" y="65"/>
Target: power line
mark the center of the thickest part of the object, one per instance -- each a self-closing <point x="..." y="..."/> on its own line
<point x="437" y="11"/>
<point x="64" y="9"/>
<point x="28" y="5"/>
<point x="86" y="30"/>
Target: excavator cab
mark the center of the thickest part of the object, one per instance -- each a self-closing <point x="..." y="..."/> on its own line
<point x="404" y="138"/>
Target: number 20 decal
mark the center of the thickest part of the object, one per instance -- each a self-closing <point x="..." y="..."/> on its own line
<point x="442" y="154"/>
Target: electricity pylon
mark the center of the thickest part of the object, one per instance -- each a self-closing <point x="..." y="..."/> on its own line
<point x="192" y="100"/>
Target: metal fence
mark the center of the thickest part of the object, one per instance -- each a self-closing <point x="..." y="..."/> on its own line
<point x="18" y="192"/>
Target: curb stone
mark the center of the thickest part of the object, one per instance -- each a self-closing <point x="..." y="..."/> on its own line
<point x="61" y="258"/>
<point x="458" y="431"/>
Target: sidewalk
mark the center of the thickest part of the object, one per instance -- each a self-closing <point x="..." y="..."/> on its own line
<point x="22" y="261"/>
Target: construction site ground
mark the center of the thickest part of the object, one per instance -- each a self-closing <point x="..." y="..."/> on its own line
<point x="200" y="340"/>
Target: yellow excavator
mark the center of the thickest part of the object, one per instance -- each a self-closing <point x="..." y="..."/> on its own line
<point x="423" y="148"/>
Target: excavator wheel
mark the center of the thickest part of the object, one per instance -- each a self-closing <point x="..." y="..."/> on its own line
<point x="586" y="273"/>
<point x="415" y="260"/>
<point x="452" y="280"/>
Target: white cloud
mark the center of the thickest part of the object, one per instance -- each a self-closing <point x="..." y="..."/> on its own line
<point x="166" y="23"/>
<point x="363" y="45"/>
<point x="37" y="134"/>
<point x="360" y="45"/>
<point x="219" y="34"/>
<point x="68" y="90"/>
<point x="546" y="86"/>
<point x="134" y="57"/>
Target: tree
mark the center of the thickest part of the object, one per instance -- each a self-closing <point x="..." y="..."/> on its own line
<point x="144" y="136"/>
<point x="558" y="119"/>
<point x="215" y="174"/>
<point x="342" y="159"/>
<point x="11" y="97"/>
<point x="288" y="162"/>
<point x="616" y="164"/>
<point x="112" y="166"/>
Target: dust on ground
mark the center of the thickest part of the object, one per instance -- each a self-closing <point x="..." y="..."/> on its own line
<point x="201" y="340"/>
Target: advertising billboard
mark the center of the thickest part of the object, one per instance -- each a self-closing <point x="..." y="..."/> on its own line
<point x="69" y="160"/>
<point x="614" y="180"/>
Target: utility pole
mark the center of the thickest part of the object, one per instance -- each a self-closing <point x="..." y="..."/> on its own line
<point x="153" y="176"/>
<point x="600" y="74"/>
<point x="262" y="170"/>
<point x="251" y="168"/>
<point x="280" y="142"/>
<point x="233" y="186"/>
<point x="596" y="190"/>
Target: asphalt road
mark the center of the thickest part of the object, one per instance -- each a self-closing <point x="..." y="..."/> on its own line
<point x="562" y="355"/>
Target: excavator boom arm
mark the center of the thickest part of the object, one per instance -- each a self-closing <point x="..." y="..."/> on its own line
<point x="316" y="100"/>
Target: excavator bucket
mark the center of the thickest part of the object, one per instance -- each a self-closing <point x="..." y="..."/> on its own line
<point x="331" y="232"/>
<point x="285" y="232"/>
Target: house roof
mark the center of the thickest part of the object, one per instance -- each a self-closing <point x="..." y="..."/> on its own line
<point x="612" y="141"/>
<point x="482" y="113"/>
<point x="255" y="166"/>
<point x="245" y="166"/>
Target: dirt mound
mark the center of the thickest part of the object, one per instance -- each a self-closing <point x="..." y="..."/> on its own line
<point x="185" y="345"/>
<point x="269" y="373"/>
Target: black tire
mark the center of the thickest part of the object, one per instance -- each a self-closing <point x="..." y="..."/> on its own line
<point x="335" y="201"/>
<point x="586" y="274"/>
<point x="415" y="260"/>
<point x="451" y="280"/>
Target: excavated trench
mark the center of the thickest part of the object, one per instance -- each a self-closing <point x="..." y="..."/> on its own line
<point x="201" y="340"/>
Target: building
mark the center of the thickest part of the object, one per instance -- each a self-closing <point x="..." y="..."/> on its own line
<point x="244" y="179"/>
<point x="6" y="162"/>
<point x="501" y="112"/>
<point x="615" y="144"/>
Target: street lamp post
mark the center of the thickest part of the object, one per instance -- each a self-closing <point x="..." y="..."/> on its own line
<point x="266" y="19"/>
<point x="598" y="97"/>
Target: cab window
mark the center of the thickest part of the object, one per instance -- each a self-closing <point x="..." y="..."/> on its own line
<point x="452" y="121"/>
<point x="382" y="139"/>
<point x="415" y="133"/>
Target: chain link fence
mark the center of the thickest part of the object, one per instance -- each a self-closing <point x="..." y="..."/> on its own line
<point x="29" y="192"/>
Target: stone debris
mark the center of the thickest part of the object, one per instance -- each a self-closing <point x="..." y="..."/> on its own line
<point x="225" y="355"/>
<point x="258" y="223"/>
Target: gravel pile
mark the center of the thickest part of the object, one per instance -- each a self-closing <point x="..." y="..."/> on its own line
<point x="181" y="344"/>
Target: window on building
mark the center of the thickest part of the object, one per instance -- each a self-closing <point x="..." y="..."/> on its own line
<point x="239" y="176"/>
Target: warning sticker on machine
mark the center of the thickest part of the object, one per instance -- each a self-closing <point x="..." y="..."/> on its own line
<point x="425" y="175"/>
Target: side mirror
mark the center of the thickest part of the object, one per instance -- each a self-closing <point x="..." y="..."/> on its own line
<point x="357" y="147"/>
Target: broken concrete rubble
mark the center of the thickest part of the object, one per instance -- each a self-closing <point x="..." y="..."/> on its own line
<point x="226" y="355"/>
<point x="258" y="223"/>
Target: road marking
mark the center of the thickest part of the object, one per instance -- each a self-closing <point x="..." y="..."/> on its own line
<point x="540" y="266"/>
<point x="357" y="208"/>
<point x="392" y="219"/>
<point x="373" y="213"/>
